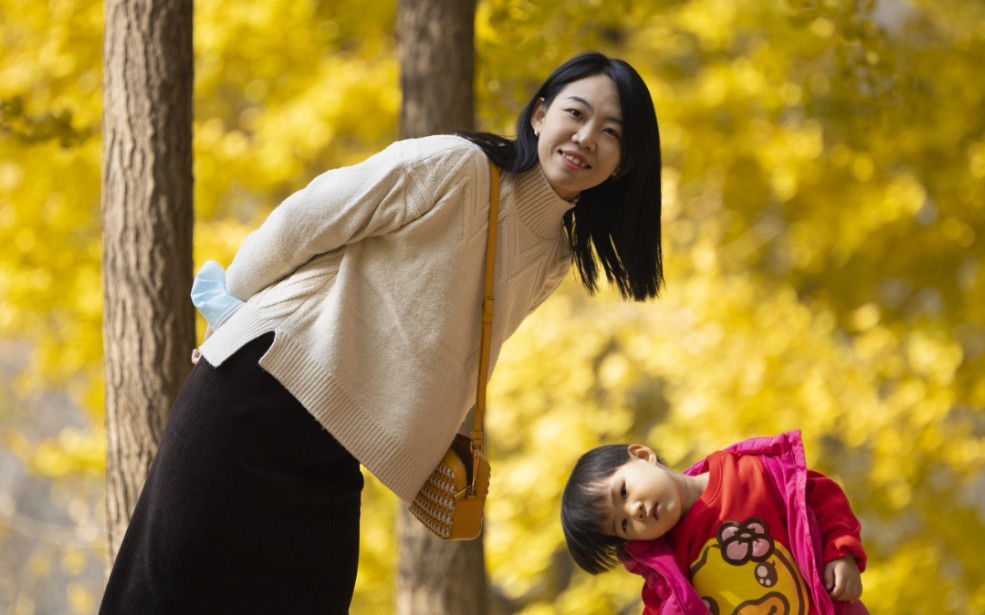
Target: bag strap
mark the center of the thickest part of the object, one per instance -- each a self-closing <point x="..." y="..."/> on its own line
<point x="487" y="316"/>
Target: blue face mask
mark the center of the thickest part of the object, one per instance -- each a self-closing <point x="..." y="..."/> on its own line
<point x="209" y="295"/>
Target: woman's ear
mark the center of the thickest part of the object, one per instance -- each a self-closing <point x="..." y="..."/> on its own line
<point x="537" y="118"/>
<point x="643" y="453"/>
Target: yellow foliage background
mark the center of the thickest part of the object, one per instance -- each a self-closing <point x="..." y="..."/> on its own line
<point x="824" y="223"/>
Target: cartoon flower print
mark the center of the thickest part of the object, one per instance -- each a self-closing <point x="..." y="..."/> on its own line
<point x="743" y="542"/>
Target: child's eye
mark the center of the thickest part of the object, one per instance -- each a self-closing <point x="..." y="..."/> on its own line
<point x="625" y="526"/>
<point x="622" y="491"/>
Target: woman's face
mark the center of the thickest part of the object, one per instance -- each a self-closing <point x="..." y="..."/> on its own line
<point x="580" y="135"/>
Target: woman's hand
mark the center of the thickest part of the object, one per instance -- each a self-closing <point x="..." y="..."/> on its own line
<point x="842" y="579"/>
<point x="196" y="353"/>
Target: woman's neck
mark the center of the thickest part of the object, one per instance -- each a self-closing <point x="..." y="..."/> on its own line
<point x="540" y="208"/>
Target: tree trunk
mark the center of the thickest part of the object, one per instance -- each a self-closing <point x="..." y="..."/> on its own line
<point x="148" y="321"/>
<point x="437" y="59"/>
<point x="435" y="42"/>
<point x="438" y="577"/>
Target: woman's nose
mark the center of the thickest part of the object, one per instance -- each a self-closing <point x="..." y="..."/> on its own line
<point x="584" y="138"/>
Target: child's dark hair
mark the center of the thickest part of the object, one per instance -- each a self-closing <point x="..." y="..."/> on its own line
<point x="585" y="507"/>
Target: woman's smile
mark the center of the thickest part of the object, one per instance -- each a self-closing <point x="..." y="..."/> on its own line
<point x="580" y="135"/>
<point x="575" y="160"/>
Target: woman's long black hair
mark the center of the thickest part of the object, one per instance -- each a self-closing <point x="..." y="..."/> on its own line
<point x="618" y="221"/>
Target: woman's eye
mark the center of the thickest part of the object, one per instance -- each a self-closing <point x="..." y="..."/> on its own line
<point x="613" y="132"/>
<point x="574" y="112"/>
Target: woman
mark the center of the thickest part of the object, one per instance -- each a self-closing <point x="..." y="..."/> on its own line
<point x="351" y="337"/>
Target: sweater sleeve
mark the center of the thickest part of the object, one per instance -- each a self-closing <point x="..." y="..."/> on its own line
<point x="339" y="207"/>
<point x="841" y="532"/>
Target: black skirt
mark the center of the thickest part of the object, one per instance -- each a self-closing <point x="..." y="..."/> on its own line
<point x="251" y="506"/>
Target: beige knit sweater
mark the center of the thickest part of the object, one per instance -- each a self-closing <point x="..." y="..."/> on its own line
<point x="371" y="279"/>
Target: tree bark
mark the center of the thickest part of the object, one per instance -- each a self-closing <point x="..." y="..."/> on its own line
<point x="147" y="211"/>
<point x="438" y="577"/>
<point x="436" y="47"/>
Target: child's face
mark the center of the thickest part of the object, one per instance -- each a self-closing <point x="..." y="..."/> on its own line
<point x="645" y="498"/>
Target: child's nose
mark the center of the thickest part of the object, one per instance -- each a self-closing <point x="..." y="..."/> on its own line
<point x="631" y="509"/>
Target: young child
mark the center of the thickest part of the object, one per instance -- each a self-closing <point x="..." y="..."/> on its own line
<point x="748" y="530"/>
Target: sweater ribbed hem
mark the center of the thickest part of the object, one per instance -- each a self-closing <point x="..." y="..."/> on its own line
<point x="328" y="401"/>
<point x="345" y="419"/>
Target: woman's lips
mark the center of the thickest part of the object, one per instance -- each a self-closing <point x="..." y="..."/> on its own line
<point x="575" y="160"/>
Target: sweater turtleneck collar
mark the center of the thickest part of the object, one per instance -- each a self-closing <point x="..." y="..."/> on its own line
<point x="540" y="208"/>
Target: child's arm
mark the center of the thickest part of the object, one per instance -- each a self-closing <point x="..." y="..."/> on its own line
<point x="841" y="536"/>
<point x="843" y="580"/>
